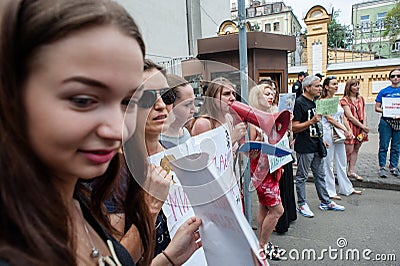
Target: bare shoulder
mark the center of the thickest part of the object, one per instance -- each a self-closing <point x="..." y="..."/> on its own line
<point x="201" y="125"/>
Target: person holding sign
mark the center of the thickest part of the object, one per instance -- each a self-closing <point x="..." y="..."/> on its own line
<point x="389" y="125"/>
<point x="266" y="183"/>
<point x="336" y="124"/>
<point x="309" y="148"/>
<point x="153" y="107"/>
<point x="354" y="109"/>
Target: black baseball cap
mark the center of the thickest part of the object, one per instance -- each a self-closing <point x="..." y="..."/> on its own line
<point x="319" y="75"/>
<point x="302" y="73"/>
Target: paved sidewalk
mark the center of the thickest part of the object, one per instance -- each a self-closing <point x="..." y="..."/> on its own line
<point x="367" y="166"/>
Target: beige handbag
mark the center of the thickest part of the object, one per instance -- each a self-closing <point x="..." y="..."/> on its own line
<point x="338" y="135"/>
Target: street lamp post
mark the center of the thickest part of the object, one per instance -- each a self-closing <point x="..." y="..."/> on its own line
<point x="244" y="94"/>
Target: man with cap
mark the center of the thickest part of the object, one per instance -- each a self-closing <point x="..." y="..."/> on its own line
<point x="320" y="76"/>
<point x="297" y="87"/>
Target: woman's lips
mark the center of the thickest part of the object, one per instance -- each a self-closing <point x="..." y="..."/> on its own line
<point x="160" y="117"/>
<point x="99" y="156"/>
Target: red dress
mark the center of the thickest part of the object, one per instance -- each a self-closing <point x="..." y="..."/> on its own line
<point x="357" y="108"/>
<point x="266" y="184"/>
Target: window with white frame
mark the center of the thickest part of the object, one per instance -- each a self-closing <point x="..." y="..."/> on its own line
<point x="267" y="9"/>
<point x="364" y="23"/>
<point x="396" y="46"/>
<point x="276" y="26"/>
<point x="380" y="20"/>
<point x="251" y="12"/>
<point x="267" y="27"/>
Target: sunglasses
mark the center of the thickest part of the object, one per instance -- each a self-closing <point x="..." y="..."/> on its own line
<point x="331" y="77"/>
<point x="149" y="97"/>
<point x="394" y="76"/>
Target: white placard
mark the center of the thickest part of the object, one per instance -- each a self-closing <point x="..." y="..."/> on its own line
<point x="276" y="162"/>
<point x="227" y="237"/>
<point x="391" y="107"/>
<point x="178" y="208"/>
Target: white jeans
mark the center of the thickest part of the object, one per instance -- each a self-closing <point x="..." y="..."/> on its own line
<point x="336" y="153"/>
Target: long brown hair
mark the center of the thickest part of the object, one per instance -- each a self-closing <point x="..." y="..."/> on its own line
<point x="347" y="88"/>
<point x="35" y="223"/>
<point x="212" y="101"/>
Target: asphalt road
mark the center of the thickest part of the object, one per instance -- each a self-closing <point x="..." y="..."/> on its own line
<point x="366" y="233"/>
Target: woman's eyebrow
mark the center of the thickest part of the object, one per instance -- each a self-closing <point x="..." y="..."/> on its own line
<point x="87" y="81"/>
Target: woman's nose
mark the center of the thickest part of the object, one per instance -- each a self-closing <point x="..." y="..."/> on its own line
<point x="159" y="104"/>
<point x="111" y="124"/>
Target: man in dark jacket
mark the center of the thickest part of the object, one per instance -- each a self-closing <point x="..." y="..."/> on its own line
<point x="297" y="87"/>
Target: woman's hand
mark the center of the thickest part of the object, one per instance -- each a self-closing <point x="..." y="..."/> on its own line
<point x="365" y="129"/>
<point x="185" y="242"/>
<point x="348" y="134"/>
<point x="254" y="153"/>
<point x="157" y="186"/>
<point x="239" y="131"/>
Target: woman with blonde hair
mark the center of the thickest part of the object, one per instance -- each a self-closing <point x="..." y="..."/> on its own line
<point x="266" y="183"/>
<point x="354" y="109"/>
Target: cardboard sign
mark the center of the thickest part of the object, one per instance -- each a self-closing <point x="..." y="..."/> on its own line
<point x="327" y="106"/>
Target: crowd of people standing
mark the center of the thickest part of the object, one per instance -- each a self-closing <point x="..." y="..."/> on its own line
<point x="81" y="112"/>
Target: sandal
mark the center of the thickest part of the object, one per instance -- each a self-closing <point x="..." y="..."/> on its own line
<point x="272" y="252"/>
<point x="357" y="192"/>
<point x="356" y="177"/>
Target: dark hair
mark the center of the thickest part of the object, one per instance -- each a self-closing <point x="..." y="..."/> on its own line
<point x="35" y="221"/>
<point x="326" y="82"/>
<point x="149" y="65"/>
<point x="347" y="88"/>
<point x="395" y="69"/>
<point x="302" y="73"/>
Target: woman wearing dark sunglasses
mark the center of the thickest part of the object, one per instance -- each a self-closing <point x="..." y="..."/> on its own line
<point x="154" y="103"/>
<point x="389" y="127"/>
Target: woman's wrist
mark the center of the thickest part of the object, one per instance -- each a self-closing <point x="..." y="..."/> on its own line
<point x="168" y="258"/>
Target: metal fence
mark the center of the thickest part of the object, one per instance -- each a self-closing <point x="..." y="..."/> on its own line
<point x="364" y="42"/>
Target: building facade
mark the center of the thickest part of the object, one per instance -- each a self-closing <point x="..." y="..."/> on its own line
<point x="368" y="20"/>
<point x="171" y="28"/>
<point x="272" y="17"/>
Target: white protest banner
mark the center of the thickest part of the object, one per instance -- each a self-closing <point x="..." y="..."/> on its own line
<point x="391" y="107"/>
<point x="276" y="162"/>
<point x="177" y="207"/>
<point x="286" y="101"/>
<point x="227" y="237"/>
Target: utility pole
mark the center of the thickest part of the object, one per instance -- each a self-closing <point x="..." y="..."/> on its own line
<point x="245" y="95"/>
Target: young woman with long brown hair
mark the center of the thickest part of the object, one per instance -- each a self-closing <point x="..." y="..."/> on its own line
<point x="354" y="109"/>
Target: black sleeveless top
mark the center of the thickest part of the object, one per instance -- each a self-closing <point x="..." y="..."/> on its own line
<point x="123" y="255"/>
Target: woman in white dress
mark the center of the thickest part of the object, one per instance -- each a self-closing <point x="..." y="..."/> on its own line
<point x="336" y="150"/>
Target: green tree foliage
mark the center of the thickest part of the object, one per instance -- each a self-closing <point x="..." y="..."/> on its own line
<point x="392" y="22"/>
<point x="339" y="36"/>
